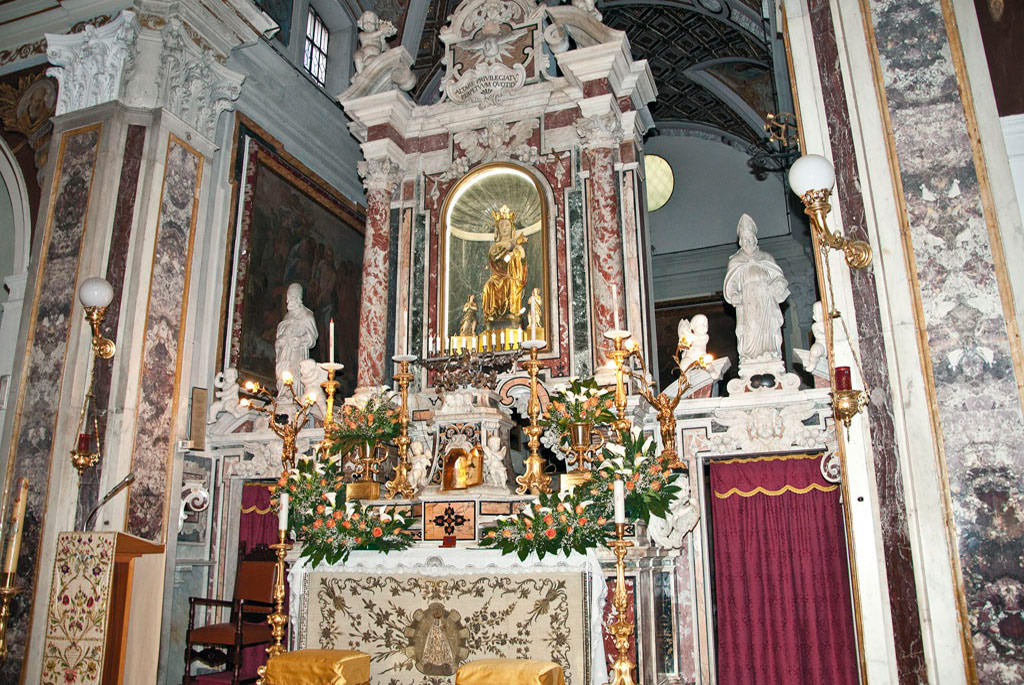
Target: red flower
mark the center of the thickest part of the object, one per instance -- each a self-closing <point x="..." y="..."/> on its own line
<point x="550" y="532"/>
<point x="583" y="520"/>
<point x="579" y="509"/>
<point x="359" y="540"/>
<point x="338" y="513"/>
<point x="560" y="508"/>
<point x="377" y="532"/>
<point x="601" y="520"/>
<point x="630" y="485"/>
<point x="319" y="508"/>
<point x="548" y="519"/>
<point x="346" y="525"/>
<point x="563" y="518"/>
<point x="330" y="523"/>
<point x="506" y="533"/>
<point x="528" y="535"/>
<point x="656" y="485"/>
<point x="492" y="534"/>
<point x="317" y="524"/>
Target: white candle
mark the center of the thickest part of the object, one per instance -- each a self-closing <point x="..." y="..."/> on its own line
<point x="615" y="304"/>
<point x="494" y="338"/>
<point x="403" y="328"/>
<point x="503" y="339"/>
<point x="17" y="525"/>
<point x="282" y="512"/>
<point x="619" y="496"/>
<point x="332" y="340"/>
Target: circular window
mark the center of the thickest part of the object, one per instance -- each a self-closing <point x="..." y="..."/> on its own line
<point x="660" y="182"/>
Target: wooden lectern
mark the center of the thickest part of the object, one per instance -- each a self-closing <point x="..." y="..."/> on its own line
<point x="103" y="622"/>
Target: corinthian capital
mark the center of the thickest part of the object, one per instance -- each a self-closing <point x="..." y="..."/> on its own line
<point x="379" y="174"/>
<point x="91" y="66"/>
<point x="599" y="131"/>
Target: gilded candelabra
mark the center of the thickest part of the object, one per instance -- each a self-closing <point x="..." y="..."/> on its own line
<point x="618" y="355"/>
<point x="621" y="629"/>
<point x="330" y="387"/>
<point x="289" y="430"/>
<point x="278" y="620"/>
<point x="399" y="486"/>
<point x="664" y="404"/>
<point x="534" y="480"/>
<point x="471" y="367"/>
<point x="7" y="592"/>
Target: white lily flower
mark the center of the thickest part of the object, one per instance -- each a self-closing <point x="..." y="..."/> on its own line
<point x="647" y="444"/>
<point x="350" y="508"/>
<point x="332" y="497"/>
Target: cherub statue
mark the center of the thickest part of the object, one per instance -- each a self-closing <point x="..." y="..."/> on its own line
<point x="698" y="338"/>
<point x="495" y="473"/>
<point x="817" y="350"/>
<point x="312" y="376"/>
<point x="588" y="6"/>
<point x="683" y="514"/>
<point x="419" y="471"/>
<point x="467" y="327"/>
<point x="226" y="383"/>
<point x="373" y="38"/>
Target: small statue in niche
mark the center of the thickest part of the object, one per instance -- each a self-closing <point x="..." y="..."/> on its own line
<point x="495" y="473"/>
<point x="503" y="291"/>
<point x="535" y="316"/>
<point x="419" y="471"/>
<point x="373" y="38"/>
<point x="756" y="287"/>
<point x="467" y="326"/>
<point x="226" y="383"/>
<point x="296" y="335"/>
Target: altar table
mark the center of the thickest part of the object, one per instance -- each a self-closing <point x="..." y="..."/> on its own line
<point x="423" y="612"/>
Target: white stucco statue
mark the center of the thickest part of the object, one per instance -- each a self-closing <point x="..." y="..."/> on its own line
<point x="756" y="287"/>
<point x="312" y="377"/>
<point x="697" y="334"/>
<point x="226" y="383"/>
<point x="296" y="334"/>
<point x="495" y="473"/>
<point x="373" y="38"/>
<point x="817" y="350"/>
<point x="683" y="514"/>
<point x="419" y="461"/>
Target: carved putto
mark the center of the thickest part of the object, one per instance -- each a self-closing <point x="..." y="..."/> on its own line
<point x="373" y="38"/>
<point x="226" y="383"/>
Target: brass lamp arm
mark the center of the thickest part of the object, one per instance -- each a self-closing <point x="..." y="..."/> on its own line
<point x="817" y="207"/>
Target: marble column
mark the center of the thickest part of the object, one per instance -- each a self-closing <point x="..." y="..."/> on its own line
<point x="380" y="177"/>
<point x="600" y="136"/>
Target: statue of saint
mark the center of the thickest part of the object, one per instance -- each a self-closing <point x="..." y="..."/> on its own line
<point x="296" y="335"/>
<point x="535" y="317"/>
<point x="503" y="291"/>
<point x="468" y="325"/>
<point x="755" y="286"/>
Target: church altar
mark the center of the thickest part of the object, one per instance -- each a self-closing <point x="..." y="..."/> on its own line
<point x="422" y="612"/>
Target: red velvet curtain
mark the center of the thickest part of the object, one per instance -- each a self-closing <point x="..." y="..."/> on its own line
<point x="782" y="584"/>
<point x="258" y="523"/>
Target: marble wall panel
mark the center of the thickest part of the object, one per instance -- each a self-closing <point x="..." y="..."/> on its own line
<point x="607" y="285"/>
<point x="40" y="390"/>
<point x="117" y="262"/>
<point x="416" y="313"/>
<point x="159" y="389"/>
<point x="975" y="388"/>
<point x="581" y="349"/>
<point x="899" y="570"/>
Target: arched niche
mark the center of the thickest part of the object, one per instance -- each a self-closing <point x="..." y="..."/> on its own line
<point x="470" y="216"/>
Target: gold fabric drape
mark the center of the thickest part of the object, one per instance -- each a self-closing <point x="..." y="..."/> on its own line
<point x="509" y="672"/>
<point x="319" y="666"/>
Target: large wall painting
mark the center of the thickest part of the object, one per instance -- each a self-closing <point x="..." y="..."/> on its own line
<point x="293" y="229"/>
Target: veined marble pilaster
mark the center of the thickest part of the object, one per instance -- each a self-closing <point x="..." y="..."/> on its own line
<point x="899" y="563"/>
<point x="380" y="176"/>
<point x="40" y="387"/>
<point x="976" y="398"/>
<point x="600" y="136"/>
<point x="165" y="320"/>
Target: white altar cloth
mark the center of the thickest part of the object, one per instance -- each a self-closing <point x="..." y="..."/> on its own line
<point x="433" y="561"/>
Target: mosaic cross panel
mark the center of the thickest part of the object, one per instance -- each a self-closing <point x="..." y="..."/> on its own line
<point x="441" y="519"/>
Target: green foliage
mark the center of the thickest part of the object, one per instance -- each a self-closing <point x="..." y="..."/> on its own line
<point x="579" y="402"/>
<point x="373" y="423"/>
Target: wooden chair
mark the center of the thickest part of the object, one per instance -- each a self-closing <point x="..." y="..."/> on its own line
<point x="250" y="604"/>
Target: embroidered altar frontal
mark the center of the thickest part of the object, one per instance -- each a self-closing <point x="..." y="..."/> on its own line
<point x="418" y="629"/>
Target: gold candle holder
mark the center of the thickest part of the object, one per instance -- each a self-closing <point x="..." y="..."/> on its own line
<point x="399" y="486"/>
<point x="330" y="387"/>
<point x="286" y="431"/>
<point x="848" y="403"/>
<point x="534" y="480"/>
<point x="619" y="354"/>
<point x="8" y="590"/>
<point x="621" y="629"/>
<point x="581" y="448"/>
<point x="278" y="620"/>
<point x="817" y="207"/>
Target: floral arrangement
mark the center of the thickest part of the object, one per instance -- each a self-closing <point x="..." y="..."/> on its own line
<point x="579" y="402"/>
<point x="375" y="422"/>
<point x="331" y="528"/>
<point x="581" y="519"/>
<point x="552" y="524"/>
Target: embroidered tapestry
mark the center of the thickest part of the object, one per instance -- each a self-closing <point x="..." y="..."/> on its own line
<point x="77" y="618"/>
<point x="418" y="629"/>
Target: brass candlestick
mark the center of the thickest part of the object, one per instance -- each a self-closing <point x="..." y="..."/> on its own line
<point x="399" y="486"/>
<point x="662" y="403"/>
<point x="330" y="387"/>
<point x="622" y="667"/>
<point x="286" y="431"/>
<point x="534" y="479"/>
<point x="7" y="592"/>
<point x="278" y="620"/>
<point x="619" y="354"/>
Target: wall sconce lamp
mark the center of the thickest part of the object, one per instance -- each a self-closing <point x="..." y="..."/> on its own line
<point x="95" y="294"/>
<point x="812" y="177"/>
